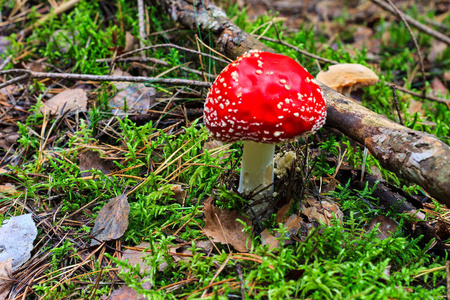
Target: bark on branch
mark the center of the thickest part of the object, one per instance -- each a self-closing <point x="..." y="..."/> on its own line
<point x="416" y="156"/>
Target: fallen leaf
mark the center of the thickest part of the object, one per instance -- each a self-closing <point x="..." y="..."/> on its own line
<point x="131" y="42"/>
<point x="438" y="88"/>
<point x="222" y="227"/>
<point x="8" y="188"/>
<point x="436" y="50"/>
<point x="5" y="278"/>
<point x="91" y="160"/>
<point x="133" y="97"/>
<point x="179" y="195"/>
<point x="293" y="224"/>
<point x="214" y="144"/>
<point x="282" y="212"/>
<point x="386" y="228"/>
<point x="68" y="100"/>
<point x="322" y="211"/>
<point x="16" y="239"/>
<point x="269" y="239"/>
<point x="111" y="221"/>
<point x="136" y="256"/>
<point x="124" y="293"/>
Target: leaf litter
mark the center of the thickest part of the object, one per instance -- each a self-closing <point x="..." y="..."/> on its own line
<point x="220" y="225"/>
<point x="112" y="220"/>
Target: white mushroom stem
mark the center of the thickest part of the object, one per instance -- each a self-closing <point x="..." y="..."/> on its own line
<point x="257" y="169"/>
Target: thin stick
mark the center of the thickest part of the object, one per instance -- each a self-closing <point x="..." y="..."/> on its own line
<point x="175" y="47"/>
<point x="397" y="107"/>
<point x="436" y="34"/>
<point x="85" y="77"/>
<point x="142" y="34"/>
<point x="419" y="53"/>
<point x="305" y="53"/>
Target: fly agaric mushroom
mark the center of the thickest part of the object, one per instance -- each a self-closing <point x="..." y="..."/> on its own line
<point x="262" y="98"/>
<point x="344" y="78"/>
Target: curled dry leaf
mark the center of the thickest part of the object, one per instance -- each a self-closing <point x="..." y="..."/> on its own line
<point x="16" y="239"/>
<point x="222" y="227"/>
<point x="68" y="100"/>
<point x="322" y="211"/>
<point x="345" y="78"/>
<point x="111" y="221"/>
<point x="5" y="278"/>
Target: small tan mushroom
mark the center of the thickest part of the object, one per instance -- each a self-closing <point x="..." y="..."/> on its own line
<point x="344" y="78"/>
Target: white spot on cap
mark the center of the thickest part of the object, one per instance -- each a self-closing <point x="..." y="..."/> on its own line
<point x="287" y="87"/>
<point x="221" y="105"/>
<point x="222" y="79"/>
<point x="296" y="114"/>
<point x="283" y="81"/>
<point x="260" y="63"/>
<point x="277" y="133"/>
<point x="259" y="72"/>
<point x="235" y="75"/>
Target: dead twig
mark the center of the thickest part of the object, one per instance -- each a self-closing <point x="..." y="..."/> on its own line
<point x="436" y="34"/>
<point x="174" y="47"/>
<point x="419" y="53"/>
<point x="303" y="52"/>
<point x="27" y="74"/>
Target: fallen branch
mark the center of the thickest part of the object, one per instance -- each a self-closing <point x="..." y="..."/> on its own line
<point x="27" y="74"/>
<point x="416" y="156"/>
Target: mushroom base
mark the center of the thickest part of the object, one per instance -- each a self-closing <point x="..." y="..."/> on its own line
<point x="257" y="174"/>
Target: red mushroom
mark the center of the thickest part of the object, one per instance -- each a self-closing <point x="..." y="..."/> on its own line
<point x="262" y="98"/>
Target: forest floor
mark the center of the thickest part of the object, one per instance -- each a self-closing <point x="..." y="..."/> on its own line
<point x="111" y="186"/>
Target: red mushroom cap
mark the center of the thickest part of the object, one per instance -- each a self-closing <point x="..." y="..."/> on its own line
<point x="263" y="97"/>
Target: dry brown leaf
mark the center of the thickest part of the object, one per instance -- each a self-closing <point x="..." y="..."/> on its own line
<point x="91" y="160"/>
<point x="111" y="221"/>
<point x="293" y="224"/>
<point x="131" y="42"/>
<point x="439" y="88"/>
<point x="436" y="50"/>
<point x="133" y="97"/>
<point x="211" y="145"/>
<point x="8" y="188"/>
<point x="68" y="100"/>
<point x="282" y="212"/>
<point x="386" y="228"/>
<point x="322" y="211"/>
<point x="136" y="257"/>
<point x="5" y="278"/>
<point x="124" y="293"/>
<point x="222" y="227"/>
<point x="179" y="195"/>
<point x="136" y="98"/>
<point x="269" y="239"/>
